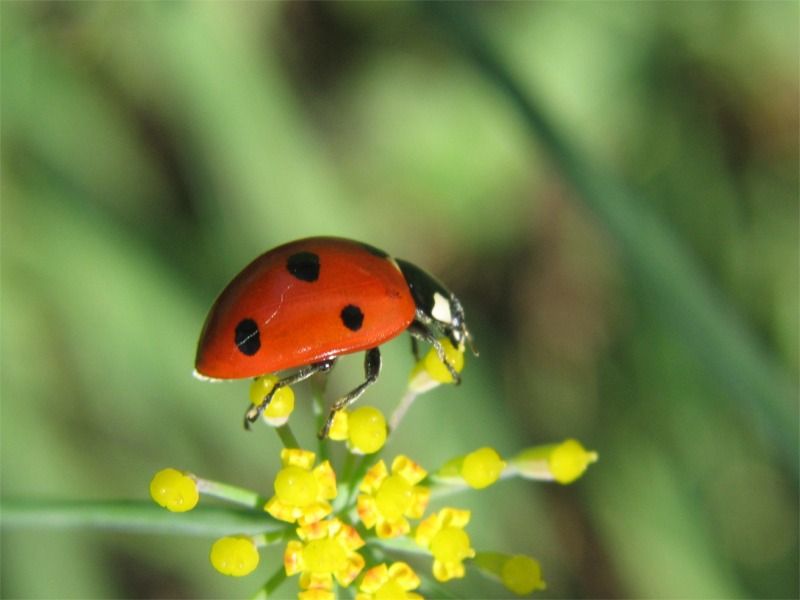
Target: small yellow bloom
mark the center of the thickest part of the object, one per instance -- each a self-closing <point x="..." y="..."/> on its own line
<point x="430" y="371"/>
<point x="234" y="555"/>
<point x="339" y="426"/>
<point x="443" y="534"/>
<point x="395" y="582"/>
<point x="301" y="494"/>
<point x="174" y="491"/>
<point x="282" y="403"/>
<point x="564" y="462"/>
<point x="367" y="430"/>
<point x="522" y="575"/>
<point x="327" y="550"/>
<point x="482" y="468"/>
<point x="436" y="369"/>
<point x="388" y="500"/>
<point x="364" y="429"/>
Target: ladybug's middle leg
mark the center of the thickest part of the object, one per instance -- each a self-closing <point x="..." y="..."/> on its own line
<point x="372" y="368"/>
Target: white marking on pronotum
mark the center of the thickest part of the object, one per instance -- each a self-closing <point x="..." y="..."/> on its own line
<point x="441" y="311"/>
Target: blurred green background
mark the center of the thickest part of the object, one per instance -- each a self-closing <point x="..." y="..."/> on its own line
<point x="150" y="150"/>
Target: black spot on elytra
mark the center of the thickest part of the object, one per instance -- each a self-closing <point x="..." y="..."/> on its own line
<point x="247" y="337"/>
<point x="352" y="317"/>
<point x="304" y="266"/>
<point x="374" y="251"/>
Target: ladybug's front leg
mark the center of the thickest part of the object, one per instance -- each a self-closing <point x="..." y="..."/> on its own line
<point x="420" y="331"/>
<point x="255" y="411"/>
<point x="372" y="368"/>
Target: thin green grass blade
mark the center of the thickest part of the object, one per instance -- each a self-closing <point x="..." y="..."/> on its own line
<point x="667" y="274"/>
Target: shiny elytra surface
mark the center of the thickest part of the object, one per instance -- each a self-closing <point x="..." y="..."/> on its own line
<point x="300" y="321"/>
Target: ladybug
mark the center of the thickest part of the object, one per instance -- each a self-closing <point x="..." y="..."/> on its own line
<point x="305" y="303"/>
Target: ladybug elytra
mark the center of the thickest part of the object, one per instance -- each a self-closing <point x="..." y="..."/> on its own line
<point x="304" y="304"/>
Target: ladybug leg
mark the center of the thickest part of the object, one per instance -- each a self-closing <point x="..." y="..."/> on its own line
<point x="415" y="348"/>
<point x="255" y="411"/>
<point x="421" y="332"/>
<point x="372" y="368"/>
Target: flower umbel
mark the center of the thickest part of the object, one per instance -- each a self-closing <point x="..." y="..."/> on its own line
<point x="323" y="548"/>
<point x="443" y="534"/>
<point x="388" y="500"/>
<point x="301" y="494"/>
<point x="395" y="582"/>
<point x="327" y="551"/>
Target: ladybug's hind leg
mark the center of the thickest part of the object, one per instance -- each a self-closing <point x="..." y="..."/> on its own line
<point x="415" y="348"/>
<point x="372" y="368"/>
<point x="255" y="411"/>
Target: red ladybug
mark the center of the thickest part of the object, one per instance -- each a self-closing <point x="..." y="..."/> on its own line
<point x="305" y="303"/>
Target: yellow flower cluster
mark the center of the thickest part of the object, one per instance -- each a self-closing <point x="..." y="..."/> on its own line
<point x="336" y="528"/>
<point x="302" y="493"/>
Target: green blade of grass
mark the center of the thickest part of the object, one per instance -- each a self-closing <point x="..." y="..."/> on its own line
<point x="667" y="274"/>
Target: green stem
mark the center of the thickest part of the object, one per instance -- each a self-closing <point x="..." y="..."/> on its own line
<point x="231" y="493"/>
<point x="347" y="469"/>
<point x="272" y="584"/>
<point x="133" y="516"/>
<point x="273" y="537"/>
<point x="442" y="488"/>
<point x="402" y="407"/>
<point x="318" y="384"/>
<point x="287" y="437"/>
<point x="364" y="463"/>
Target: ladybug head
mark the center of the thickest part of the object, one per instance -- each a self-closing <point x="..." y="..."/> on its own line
<point x="436" y="304"/>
